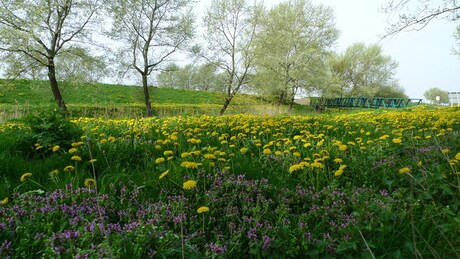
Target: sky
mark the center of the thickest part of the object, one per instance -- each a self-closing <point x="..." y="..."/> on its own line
<point x="425" y="57"/>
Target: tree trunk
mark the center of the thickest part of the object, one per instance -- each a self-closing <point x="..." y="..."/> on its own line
<point x="280" y="100"/>
<point x="226" y="103"/>
<point x="54" y="85"/>
<point x="148" y="105"/>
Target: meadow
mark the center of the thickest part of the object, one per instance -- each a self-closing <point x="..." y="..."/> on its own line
<point x="382" y="184"/>
<point x="366" y="184"/>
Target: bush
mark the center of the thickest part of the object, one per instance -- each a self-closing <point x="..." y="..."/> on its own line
<point x="43" y="131"/>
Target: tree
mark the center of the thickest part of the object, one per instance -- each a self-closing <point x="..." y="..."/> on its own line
<point x="40" y="31"/>
<point x="153" y="30"/>
<point x="417" y="14"/>
<point x="362" y="70"/>
<point x="77" y="65"/>
<point x="432" y="93"/>
<point x="231" y="28"/>
<point x="293" y="43"/>
<point x="202" y="77"/>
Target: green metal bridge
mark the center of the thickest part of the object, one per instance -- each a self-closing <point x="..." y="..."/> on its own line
<point x="364" y="102"/>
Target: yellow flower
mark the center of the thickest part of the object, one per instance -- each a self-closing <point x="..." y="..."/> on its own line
<point x="90" y="183"/>
<point x="56" y="148"/>
<point x="72" y="150"/>
<point x="76" y="158"/>
<point x="38" y="147"/>
<point x="445" y="151"/>
<point x="103" y="141"/>
<point x="209" y="156"/>
<point x="457" y="156"/>
<point x="25" y="177"/>
<point x="77" y="144"/>
<point x="159" y="160"/>
<point x="338" y="172"/>
<point x="69" y="168"/>
<point x="92" y="160"/>
<point x="338" y="160"/>
<point x="185" y="154"/>
<point x="316" y="165"/>
<point x="277" y="153"/>
<point x="267" y="151"/>
<point x="4" y="201"/>
<point x="190" y="184"/>
<point x="202" y="209"/>
<point x="164" y="174"/>
<point x="296" y="154"/>
<point x="54" y="172"/>
<point x="343" y="147"/>
<point x="342" y="167"/>
<point x="188" y="164"/>
<point x="168" y="153"/>
<point x="243" y="150"/>
<point x="111" y="139"/>
<point x="404" y="170"/>
<point x="397" y="140"/>
<point x="294" y="168"/>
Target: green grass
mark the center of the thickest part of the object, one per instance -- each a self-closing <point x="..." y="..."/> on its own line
<point x="21" y="97"/>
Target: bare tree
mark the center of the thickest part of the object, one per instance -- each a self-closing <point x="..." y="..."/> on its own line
<point x="231" y="29"/>
<point x="417" y="14"/>
<point x="153" y="30"/>
<point x="43" y="29"/>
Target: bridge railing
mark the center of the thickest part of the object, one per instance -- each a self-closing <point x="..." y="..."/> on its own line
<point x="364" y="102"/>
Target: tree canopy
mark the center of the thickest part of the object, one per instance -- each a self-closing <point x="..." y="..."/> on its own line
<point x="362" y="71"/>
<point x="291" y="48"/>
<point x="432" y="93"/>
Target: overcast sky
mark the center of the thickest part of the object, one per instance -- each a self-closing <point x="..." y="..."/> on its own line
<point x="424" y="57"/>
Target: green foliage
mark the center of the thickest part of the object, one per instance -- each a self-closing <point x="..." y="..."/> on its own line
<point x="362" y="71"/>
<point x="45" y="130"/>
<point x="432" y="93"/>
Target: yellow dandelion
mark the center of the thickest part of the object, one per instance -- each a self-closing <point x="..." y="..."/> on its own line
<point x="92" y="160"/>
<point x="185" y="154"/>
<point x="75" y="158"/>
<point x="25" y="177"/>
<point x="164" y="174"/>
<point x="69" y="168"/>
<point x="56" y="148"/>
<point x="397" y="140"/>
<point x="111" y="139"/>
<point x="159" y="160"/>
<point x="404" y="170"/>
<point x="77" y="144"/>
<point x="73" y="150"/>
<point x="190" y="184"/>
<point x="445" y="151"/>
<point x="338" y="160"/>
<point x="316" y="165"/>
<point x="54" y="172"/>
<point x="188" y="164"/>
<point x="267" y="151"/>
<point x="457" y="156"/>
<point x="278" y="153"/>
<point x="38" y="147"/>
<point x="202" y="209"/>
<point x="338" y="172"/>
<point x="4" y="201"/>
<point x="168" y="153"/>
<point x="209" y="156"/>
<point x="296" y="154"/>
<point x="243" y="150"/>
<point x="294" y="168"/>
<point x="342" y="167"/>
<point x="90" y="183"/>
<point x="343" y="147"/>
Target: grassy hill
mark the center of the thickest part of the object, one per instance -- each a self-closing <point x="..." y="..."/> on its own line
<point x="24" y="96"/>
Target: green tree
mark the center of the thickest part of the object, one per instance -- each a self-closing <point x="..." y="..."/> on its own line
<point x="76" y="65"/>
<point x="432" y="93"/>
<point x="202" y="77"/>
<point x="294" y="40"/>
<point x="152" y="30"/>
<point x="362" y="71"/>
<point x="231" y="27"/>
<point x="43" y="30"/>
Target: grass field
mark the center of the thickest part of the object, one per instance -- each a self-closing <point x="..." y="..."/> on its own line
<point x="20" y="97"/>
<point x="366" y="183"/>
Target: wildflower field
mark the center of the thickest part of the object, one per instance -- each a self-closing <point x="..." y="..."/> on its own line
<point x="383" y="183"/>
